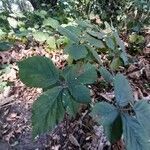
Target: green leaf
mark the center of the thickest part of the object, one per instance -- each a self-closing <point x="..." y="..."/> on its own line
<point x="110" y="43"/>
<point x="119" y="41"/>
<point x="116" y="63"/>
<point x="80" y="93"/>
<point x="106" y="74"/>
<point x="38" y="71"/>
<point x="70" y="105"/>
<point x="47" y="111"/>
<point x="4" y="46"/>
<point x="107" y="116"/>
<point x="62" y="41"/>
<point x="87" y="74"/>
<point x="40" y="36"/>
<point x="51" y="22"/>
<point x="98" y="35"/>
<point x="74" y="29"/>
<point x="51" y="42"/>
<point x="94" y="54"/>
<point x="142" y="111"/>
<point x="76" y="51"/>
<point x="12" y="22"/>
<point x="105" y="113"/>
<point x="123" y="91"/>
<point x="136" y="39"/>
<point x="72" y="36"/>
<point x="84" y="24"/>
<point x="114" y="132"/>
<point x="94" y="42"/>
<point x="135" y="136"/>
<point x="124" y="57"/>
<point x="81" y="73"/>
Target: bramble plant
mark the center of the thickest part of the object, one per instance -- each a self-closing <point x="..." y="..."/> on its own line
<point x="87" y="40"/>
<point x="125" y="117"/>
<point x="63" y="90"/>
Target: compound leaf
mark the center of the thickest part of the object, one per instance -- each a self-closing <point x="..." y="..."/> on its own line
<point x="38" y="71"/>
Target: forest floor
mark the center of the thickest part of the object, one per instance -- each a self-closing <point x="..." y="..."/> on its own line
<point x="81" y="133"/>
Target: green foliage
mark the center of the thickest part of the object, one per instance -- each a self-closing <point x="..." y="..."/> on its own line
<point x="125" y="117"/>
<point x="86" y="40"/>
<point x="40" y="36"/>
<point x="76" y="51"/>
<point x="4" y="46"/>
<point x="135" y="135"/>
<point x="69" y="34"/>
<point x="22" y="26"/>
<point x="51" y="22"/>
<point x="47" y="111"/>
<point x="80" y="93"/>
<point x="142" y="110"/>
<point x="38" y="71"/>
<point x="108" y="116"/>
<point x="105" y="113"/>
<point x="64" y="90"/>
<point x="131" y="15"/>
<point x="106" y="74"/>
<point x="136" y="43"/>
<point x="123" y="91"/>
<point x="70" y="105"/>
